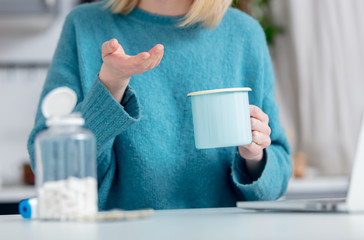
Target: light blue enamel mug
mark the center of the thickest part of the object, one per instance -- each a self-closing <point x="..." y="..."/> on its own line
<point x="221" y="117"/>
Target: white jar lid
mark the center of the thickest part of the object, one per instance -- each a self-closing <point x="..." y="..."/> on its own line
<point x="59" y="102"/>
<point x="74" y="119"/>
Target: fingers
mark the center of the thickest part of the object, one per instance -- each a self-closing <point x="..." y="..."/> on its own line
<point x="257" y="113"/>
<point x="159" y="52"/>
<point x="158" y="61"/>
<point x="156" y="54"/>
<point x="258" y="125"/>
<point x="260" y="130"/>
<point x="148" y="60"/>
<point x="251" y="152"/>
<point x="253" y="148"/>
<point x="260" y="135"/>
<point x="261" y="139"/>
<point x="139" y="59"/>
<point x="110" y="47"/>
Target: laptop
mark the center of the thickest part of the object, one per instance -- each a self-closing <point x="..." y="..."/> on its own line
<point x="353" y="202"/>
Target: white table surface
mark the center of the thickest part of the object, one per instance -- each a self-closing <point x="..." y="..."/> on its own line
<point x="223" y="223"/>
<point x="320" y="187"/>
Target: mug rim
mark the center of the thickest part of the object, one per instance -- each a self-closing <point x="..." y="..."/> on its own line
<point x="245" y="89"/>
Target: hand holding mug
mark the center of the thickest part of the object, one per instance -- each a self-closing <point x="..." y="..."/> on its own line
<point x="260" y="135"/>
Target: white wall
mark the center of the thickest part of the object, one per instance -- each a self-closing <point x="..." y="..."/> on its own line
<point x="19" y="93"/>
<point x="319" y="66"/>
<point x="31" y="39"/>
<point x="27" y="45"/>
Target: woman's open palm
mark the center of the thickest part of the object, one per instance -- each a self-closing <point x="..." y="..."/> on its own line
<point x="118" y="67"/>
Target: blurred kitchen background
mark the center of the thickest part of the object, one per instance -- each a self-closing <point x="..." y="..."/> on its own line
<point x="318" y="55"/>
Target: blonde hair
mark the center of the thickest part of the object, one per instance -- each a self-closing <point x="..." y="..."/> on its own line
<point x="207" y="12"/>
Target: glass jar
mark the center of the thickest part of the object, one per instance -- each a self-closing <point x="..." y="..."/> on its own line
<point x="65" y="155"/>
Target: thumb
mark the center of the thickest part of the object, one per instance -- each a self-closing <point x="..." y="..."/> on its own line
<point x="110" y="47"/>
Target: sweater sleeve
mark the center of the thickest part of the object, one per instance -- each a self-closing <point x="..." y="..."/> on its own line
<point x="103" y="115"/>
<point x="273" y="180"/>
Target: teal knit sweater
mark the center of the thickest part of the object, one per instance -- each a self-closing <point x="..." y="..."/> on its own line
<point x="146" y="157"/>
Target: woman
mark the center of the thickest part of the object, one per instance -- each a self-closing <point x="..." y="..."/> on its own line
<point x="135" y="102"/>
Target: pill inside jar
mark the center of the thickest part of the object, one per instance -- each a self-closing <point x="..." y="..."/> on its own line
<point x="68" y="199"/>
